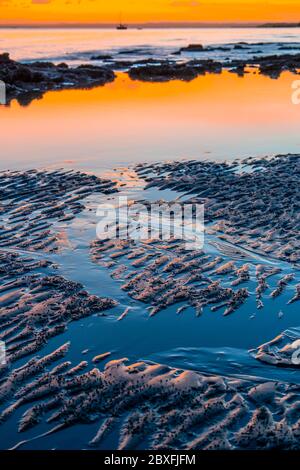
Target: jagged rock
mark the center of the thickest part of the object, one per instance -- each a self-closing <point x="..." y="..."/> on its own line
<point x="28" y="81"/>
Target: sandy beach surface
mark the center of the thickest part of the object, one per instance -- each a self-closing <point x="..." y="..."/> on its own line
<point x="122" y="344"/>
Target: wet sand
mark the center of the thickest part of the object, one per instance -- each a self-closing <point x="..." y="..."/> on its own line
<point x="157" y="407"/>
<point x="138" y="405"/>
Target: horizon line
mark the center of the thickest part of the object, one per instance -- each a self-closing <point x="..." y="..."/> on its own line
<point x="162" y="24"/>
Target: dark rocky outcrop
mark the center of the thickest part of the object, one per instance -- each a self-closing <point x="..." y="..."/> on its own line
<point x="29" y="81"/>
<point x="271" y="66"/>
<point x="101" y="57"/>
<point x="167" y="71"/>
<point x="274" y="65"/>
<point x="192" y="48"/>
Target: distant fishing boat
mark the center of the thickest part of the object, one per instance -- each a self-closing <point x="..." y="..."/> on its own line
<point x="121" y="25"/>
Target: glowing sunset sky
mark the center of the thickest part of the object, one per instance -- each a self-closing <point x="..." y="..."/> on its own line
<point x="108" y="11"/>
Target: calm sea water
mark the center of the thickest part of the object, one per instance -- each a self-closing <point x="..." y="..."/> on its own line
<point x="125" y="122"/>
<point x="216" y="116"/>
<point x="78" y="44"/>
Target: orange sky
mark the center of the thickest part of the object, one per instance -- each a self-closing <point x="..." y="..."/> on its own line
<point x="107" y="11"/>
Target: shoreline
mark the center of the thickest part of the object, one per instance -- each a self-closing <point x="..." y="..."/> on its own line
<point x="27" y="81"/>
